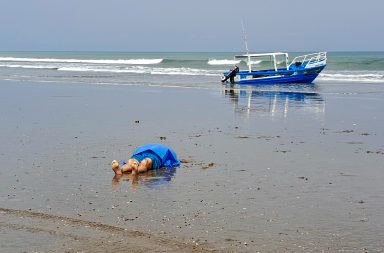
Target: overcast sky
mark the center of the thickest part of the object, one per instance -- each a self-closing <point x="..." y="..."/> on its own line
<point x="195" y="25"/>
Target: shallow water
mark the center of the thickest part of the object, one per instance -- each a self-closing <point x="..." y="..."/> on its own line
<point x="282" y="168"/>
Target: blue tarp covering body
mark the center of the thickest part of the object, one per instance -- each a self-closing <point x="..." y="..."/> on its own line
<point x="167" y="156"/>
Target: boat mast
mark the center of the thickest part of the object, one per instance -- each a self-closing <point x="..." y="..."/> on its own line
<point x="245" y="37"/>
<point x="246" y="46"/>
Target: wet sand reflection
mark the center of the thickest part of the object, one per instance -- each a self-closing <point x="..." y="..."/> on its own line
<point x="150" y="179"/>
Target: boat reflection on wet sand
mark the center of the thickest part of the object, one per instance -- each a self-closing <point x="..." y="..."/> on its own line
<point x="276" y="102"/>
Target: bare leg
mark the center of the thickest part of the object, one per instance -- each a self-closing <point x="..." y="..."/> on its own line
<point x="128" y="167"/>
<point x="145" y="165"/>
<point x="132" y="164"/>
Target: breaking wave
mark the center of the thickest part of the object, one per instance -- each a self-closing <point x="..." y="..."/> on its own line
<point x="90" y="61"/>
<point x="257" y="62"/>
<point x="230" y="62"/>
<point x="223" y="62"/>
<point x="144" y="70"/>
<point x="28" y="66"/>
<point x="353" y="76"/>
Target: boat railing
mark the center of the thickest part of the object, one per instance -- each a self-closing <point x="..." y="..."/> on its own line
<point x="311" y="60"/>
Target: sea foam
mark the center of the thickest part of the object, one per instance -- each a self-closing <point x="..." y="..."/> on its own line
<point x="142" y="70"/>
<point x="90" y="61"/>
<point x="223" y="62"/>
<point x="353" y="76"/>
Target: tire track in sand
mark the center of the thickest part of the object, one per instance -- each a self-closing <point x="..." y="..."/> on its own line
<point x="100" y="238"/>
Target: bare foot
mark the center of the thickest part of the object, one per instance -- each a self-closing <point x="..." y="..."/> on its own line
<point x="116" y="167"/>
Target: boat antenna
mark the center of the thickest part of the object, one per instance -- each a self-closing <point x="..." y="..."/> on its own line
<point x="245" y="37"/>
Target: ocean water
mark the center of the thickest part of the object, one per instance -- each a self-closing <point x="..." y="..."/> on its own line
<point x="347" y="73"/>
<point x="192" y="70"/>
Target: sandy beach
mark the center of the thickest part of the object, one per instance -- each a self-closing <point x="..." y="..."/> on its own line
<point x="259" y="173"/>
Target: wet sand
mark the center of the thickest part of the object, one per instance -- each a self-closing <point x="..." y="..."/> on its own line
<point x="260" y="172"/>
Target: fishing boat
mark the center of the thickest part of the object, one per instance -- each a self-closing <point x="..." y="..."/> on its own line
<point x="302" y="69"/>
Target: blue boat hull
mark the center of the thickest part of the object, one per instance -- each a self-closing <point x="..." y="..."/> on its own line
<point x="300" y="75"/>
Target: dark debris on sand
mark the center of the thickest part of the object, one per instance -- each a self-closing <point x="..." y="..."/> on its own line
<point x="209" y="165"/>
<point x="189" y="163"/>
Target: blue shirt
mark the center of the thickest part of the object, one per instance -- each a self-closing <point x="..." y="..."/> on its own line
<point x="166" y="155"/>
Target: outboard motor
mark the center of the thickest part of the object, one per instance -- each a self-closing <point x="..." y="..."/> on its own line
<point x="231" y="75"/>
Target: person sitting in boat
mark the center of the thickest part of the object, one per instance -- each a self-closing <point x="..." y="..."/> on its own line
<point x="147" y="157"/>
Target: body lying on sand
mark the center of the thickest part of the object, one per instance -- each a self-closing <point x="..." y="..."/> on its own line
<point x="147" y="157"/>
